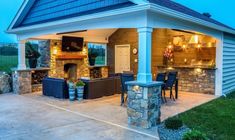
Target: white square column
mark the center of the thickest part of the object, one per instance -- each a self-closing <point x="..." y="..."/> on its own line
<point x="21" y="55"/>
<point x="145" y="54"/>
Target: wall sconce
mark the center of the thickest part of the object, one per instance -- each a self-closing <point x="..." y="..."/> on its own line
<point x="170" y="46"/>
<point x="55" y="48"/>
<point x="84" y="50"/>
<point x="185" y="61"/>
<point x="199" y="46"/>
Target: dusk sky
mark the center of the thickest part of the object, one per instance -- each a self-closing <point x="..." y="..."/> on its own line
<point x="221" y="10"/>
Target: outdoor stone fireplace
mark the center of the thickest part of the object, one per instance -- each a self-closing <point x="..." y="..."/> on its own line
<point x="71" y="68"/>
<point x="62" y="64"/>
<point x="64" y="67"/>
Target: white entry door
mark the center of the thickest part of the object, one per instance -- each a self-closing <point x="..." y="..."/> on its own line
<point x="122" y="58"/>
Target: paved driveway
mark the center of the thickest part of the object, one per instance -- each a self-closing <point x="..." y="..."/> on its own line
<point x="23" y="118"/>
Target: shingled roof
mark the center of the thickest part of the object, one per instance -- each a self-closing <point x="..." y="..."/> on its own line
<point x="185" y="10"/>
<point x="41" y="11"/>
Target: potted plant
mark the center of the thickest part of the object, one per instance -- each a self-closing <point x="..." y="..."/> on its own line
<point x="92" y="54"/>
<point x="72" y="94"/>
<point x="80" y="89"/>
<point x="32" y="54"/>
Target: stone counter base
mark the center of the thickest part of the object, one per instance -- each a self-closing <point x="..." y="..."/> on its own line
<point x="195" y="80"/>
<point x="144" y="105"/>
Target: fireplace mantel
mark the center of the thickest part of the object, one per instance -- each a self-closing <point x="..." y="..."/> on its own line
<point x="71" y="57"/>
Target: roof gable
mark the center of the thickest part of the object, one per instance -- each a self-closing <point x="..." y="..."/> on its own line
<point x="42" y="11"/>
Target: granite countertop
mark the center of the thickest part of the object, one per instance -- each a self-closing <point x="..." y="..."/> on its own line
<point x="97" y="66"/>
<point x="188" y="67"/>
<point x="32" y="69"/>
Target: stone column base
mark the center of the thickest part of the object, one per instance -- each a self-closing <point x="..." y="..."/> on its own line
<point x="144" y="102"/>
<point x="21" y="82"/>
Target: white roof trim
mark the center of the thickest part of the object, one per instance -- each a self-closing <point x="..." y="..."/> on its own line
<point x="170" y="12"/>
<point x="18" y="14"/>
<point x="26" y="2"/>
<point x="140" y="1"/>
<point x="80" y="18"/>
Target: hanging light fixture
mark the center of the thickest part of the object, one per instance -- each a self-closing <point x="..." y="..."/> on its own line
<point x="194" y="39"/>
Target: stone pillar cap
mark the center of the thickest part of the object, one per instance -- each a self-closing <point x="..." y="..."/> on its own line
<point x="149" y="84"/>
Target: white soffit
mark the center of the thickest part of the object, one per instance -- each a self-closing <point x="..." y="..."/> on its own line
<point x="99" y="35"/>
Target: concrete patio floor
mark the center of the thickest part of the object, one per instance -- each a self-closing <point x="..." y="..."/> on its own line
<point x="33" y="116"/>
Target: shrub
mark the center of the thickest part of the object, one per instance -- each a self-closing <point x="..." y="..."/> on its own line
<point x="0" y="92"/>
<point x="173" y="123"/>
<point x="194" y="135"/>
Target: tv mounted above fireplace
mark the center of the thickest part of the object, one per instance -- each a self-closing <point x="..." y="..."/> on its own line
<point x="72" y="44"/>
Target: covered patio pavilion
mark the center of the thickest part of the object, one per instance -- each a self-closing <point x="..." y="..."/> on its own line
<point x="145" y="17"/>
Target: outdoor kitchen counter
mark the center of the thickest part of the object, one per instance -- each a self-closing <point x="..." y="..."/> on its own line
<point x="197" y="79"/>
<point x="187" y="67"/>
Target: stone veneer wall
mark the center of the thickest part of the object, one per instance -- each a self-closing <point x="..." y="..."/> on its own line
<point x="21" y="82"/>
<point x="57" y="66"/>
<point x="195" y="80"/>
<point x="44" y="49"/>
<point x="5" y="82"/>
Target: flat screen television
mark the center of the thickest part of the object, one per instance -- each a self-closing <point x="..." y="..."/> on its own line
<point x="72" y="44"/>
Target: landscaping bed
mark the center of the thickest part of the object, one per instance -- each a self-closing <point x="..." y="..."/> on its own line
<point x="168" y="134"/>
<point x="214" y="120"/>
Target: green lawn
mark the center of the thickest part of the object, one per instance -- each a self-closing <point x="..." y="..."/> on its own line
<point x="216" y="118"/>
<point x="7" y="62"/>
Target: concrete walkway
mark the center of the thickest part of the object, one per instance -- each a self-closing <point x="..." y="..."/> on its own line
<point x="24" y="118"/>
<point x="33" y="116"/>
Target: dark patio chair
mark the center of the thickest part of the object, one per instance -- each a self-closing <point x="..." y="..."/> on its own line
<point x="125" y="77"/>
<point x="161" y="77"/>
<point x="171" y="79"/>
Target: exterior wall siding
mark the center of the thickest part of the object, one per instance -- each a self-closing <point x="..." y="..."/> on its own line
<point x="51" y="10"/>
<point x="228" y="64"/>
